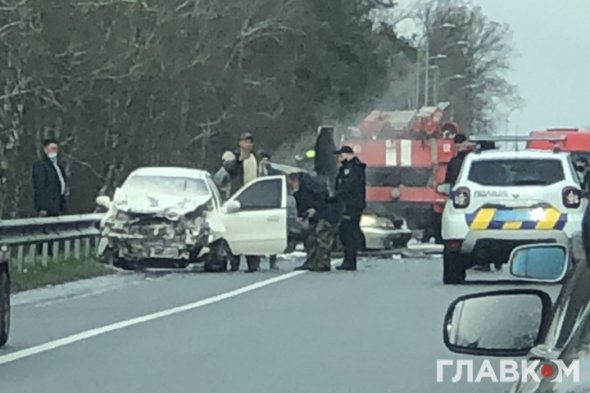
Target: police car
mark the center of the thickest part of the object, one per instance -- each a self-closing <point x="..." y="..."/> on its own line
<point x="503" y="199"/>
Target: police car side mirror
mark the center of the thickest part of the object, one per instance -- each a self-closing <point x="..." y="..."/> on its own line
<point x="444" y="189"/>
<point x="539" y="262"/>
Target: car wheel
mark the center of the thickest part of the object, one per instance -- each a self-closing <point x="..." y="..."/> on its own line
<point x="454" y="266"/>
<point x="124" y="264"/>
<point x="109" y="257"/>
<point x="4" y="307"/>
<point x="219" y="257"/>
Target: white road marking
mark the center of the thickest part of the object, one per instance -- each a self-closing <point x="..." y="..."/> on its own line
<point x="62" y="342"/>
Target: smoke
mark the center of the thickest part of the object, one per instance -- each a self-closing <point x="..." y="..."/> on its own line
<point x="401" y="91"/>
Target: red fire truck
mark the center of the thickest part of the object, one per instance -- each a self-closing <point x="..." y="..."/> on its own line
<point x="406" y="153"/>
<point x="575" y="141"/>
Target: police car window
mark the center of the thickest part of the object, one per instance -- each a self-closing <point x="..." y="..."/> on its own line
<point x="265" y="194"/>
<point x="516" y="172"/>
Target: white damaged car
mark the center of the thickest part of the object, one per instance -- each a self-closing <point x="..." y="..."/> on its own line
<point x="170" y="215"/>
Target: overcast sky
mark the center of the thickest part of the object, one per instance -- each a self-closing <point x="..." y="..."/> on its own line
<point x="552" y="69"/>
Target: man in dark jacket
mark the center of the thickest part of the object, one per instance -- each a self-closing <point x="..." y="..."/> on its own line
<point x="350" y="188"/>
<point x="242" y="167"/>
<point x="49" y="182"/>
<point x="311" y="196"/>
<point x="581" y="166"/>
<point x="454" y="167"/>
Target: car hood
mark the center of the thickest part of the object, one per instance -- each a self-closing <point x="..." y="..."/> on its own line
<point x="150" y="202"/>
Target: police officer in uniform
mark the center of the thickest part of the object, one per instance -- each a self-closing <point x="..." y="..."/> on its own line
<point x="350" y="188"/>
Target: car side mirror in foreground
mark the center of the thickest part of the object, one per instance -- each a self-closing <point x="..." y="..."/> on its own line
<point x="497" y="323"/>
<point x="444" y="189"/>
<point x="539" y="262"/>
<point x="232" y="206"/>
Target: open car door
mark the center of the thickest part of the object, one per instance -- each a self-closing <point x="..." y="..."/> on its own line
<point x="255" y="218"/>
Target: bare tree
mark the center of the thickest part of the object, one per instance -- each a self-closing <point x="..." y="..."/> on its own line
<point x="471" y="59"/>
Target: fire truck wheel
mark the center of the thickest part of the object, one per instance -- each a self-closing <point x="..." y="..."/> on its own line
<point x="454" y="266"/>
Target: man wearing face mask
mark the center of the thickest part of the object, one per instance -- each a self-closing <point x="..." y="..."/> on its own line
<point x="581" y="165"/>
<point x="49" y="182"/>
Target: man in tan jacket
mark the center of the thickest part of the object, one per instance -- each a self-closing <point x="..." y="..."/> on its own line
<point x="242" y="167"/>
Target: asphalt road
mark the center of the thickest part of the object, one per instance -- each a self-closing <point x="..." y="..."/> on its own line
<point x="376" y="330"/>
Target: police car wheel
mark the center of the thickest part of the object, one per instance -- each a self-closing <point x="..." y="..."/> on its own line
<point x="454" y="266"/>
<point x="4" y="307"/>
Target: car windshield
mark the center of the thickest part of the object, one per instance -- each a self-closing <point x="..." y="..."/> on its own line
<point x="168" y="184"/>
<point x="516" y="172"/>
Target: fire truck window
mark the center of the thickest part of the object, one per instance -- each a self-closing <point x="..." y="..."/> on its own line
<point x="530" y="172"/>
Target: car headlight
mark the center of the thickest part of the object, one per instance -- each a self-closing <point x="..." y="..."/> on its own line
<point x="368" y="221"/>
<point x="376" y="222"/>
<point x="383" y="222"/>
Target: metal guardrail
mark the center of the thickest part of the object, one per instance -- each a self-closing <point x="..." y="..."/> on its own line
<point x="29" y="241"/>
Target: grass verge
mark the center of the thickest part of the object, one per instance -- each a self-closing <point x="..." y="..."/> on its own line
<point x="57" y="273"/>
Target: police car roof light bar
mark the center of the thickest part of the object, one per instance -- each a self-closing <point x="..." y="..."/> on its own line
<point x="483" y="141"/>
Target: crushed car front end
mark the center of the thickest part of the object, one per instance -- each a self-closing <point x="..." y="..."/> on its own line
<point x="135" y="237"/>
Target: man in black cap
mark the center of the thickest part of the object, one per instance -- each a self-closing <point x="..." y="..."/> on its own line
<point x="581" y="165"/>
<point x="454" y="167"/>
<point x="350" y="188"/>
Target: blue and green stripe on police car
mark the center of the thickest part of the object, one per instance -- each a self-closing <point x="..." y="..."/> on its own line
<point x="538" y="218"/>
